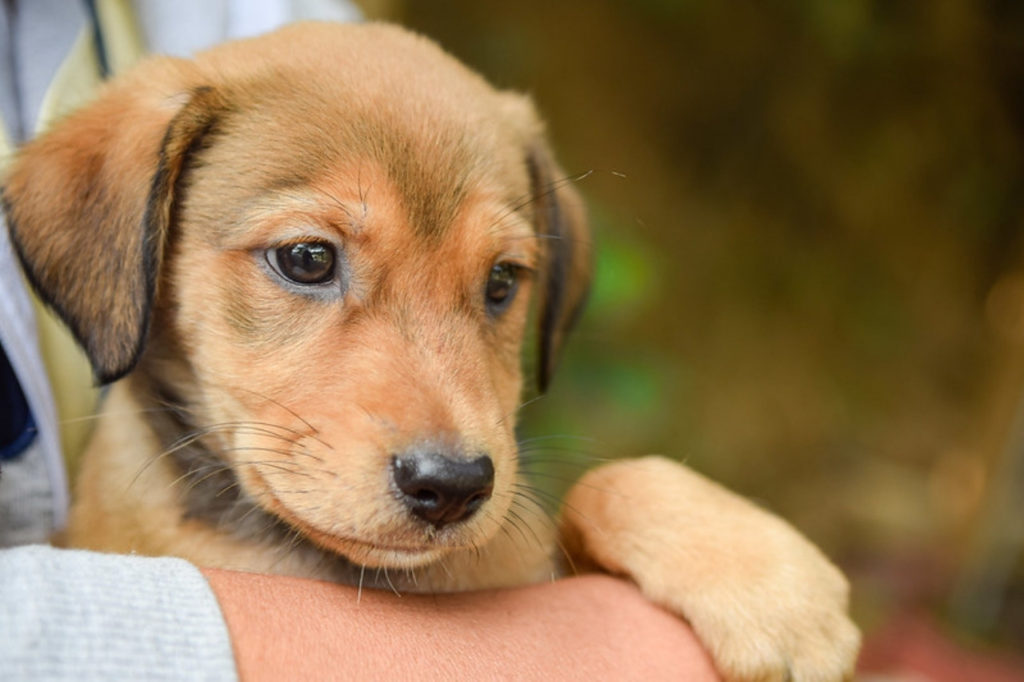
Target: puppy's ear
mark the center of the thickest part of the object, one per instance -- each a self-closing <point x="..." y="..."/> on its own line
<point x="562" y="227"/>
<point x="89" y="205"/>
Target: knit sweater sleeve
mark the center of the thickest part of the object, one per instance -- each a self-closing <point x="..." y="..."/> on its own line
<point x="75" y="615"/>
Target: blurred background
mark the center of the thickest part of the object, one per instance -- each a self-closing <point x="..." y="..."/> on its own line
<point x="810" y="272"/>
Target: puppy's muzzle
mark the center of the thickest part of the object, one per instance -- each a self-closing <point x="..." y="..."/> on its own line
<point x="439" y="488"/>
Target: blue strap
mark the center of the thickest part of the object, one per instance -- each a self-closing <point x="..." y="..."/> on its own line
<point x="17" y="427"/>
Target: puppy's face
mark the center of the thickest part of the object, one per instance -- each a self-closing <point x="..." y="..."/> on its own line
<point x="375" y="324"/>
<point x="321" y="246"/>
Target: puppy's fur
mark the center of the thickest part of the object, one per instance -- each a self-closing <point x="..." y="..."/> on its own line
<point x="256" y="422"/>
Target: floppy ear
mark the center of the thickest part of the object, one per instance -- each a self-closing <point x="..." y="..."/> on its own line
<point x="562" y="227"/>
<point x="89" y="205"/>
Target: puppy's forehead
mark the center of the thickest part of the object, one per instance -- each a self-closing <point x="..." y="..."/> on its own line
<point x="307" y="102"/>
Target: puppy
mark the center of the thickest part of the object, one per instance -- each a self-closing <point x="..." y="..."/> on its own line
<point x="305" y="262"/>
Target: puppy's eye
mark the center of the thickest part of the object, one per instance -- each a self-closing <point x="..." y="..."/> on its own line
<point x="305" y="262"/>
<point x="501" y="287"/>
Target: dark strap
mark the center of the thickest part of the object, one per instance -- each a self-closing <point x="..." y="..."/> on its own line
<point x="97" y="36"/>
<point x="17" y="428"/>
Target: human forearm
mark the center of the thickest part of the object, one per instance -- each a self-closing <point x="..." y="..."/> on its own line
<point x="590" y="627"/>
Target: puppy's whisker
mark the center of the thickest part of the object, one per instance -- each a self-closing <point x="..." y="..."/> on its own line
<point x="540" y="495"/>
<point x="550" y="189"/>
<point x="513" y="519"/>
<point x="229" y="486"/>
<point x="541" y="511"/>
<point x="261" y="428"/>
<point x="556" y="436"/>
<point x="573" y="570"/>
<point x="339" y="204"/>
<point x="504" y="529"/>
<point x="551" y="476"/>
<point x="535" y="508"/>
<point x="566" y="507"/>
<point x="532" y="495"/>
<point x="447" y="569"/>
<point x="391" y="584"/>
<point x="210" y="469"/>
<point x="314" y="431"/>
<point x="306" y="453"/>
<point x="255" y="508"/>
<point x="520" y="406"/>
<point x="532" y="454"/>
<point x="542" y="237"/>
<point x="517" y="519"/>
<point x="187" y="476"/>
<point x="120" y="413"/>
<point x="566" y="455"/>
<point x="292" y="540"/>
<point x="363" y="194"/>
<point x="233" y="427"/>
<point x="179" y="444"/>
<point x="589" y="486"/>
<point x="193" y="483"/>
<point x="376" y="418"/>
<point x="215" y="468"/>
<point x="297" y="469"/>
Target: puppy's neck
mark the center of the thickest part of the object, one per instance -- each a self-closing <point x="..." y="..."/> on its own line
<point x="209" y="489"/>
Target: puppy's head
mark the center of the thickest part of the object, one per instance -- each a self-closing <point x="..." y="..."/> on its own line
<point x="319" y="246"/>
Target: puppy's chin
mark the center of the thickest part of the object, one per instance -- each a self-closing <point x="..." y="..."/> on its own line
<point x="370" y="554"/>
<point x="376" y="556"/>
<point x="419" y="547"/>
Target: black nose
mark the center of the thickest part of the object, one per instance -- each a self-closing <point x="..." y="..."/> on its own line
<point x="442" y="489"/>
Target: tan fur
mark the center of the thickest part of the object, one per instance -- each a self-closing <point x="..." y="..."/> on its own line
<point x="144" y="218"/>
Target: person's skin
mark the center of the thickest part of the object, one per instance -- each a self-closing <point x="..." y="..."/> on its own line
<point x="592" y="627"/>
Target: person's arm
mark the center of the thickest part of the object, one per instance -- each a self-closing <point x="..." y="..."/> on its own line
<point x="74" y="615"/>
<point x="593" y="627"/>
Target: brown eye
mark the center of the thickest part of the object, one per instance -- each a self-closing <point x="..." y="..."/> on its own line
<point x="305" y="262"/>
<point x="501" y="287"/>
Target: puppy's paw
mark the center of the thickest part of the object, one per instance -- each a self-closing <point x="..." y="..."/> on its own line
<point x="764" y="601"/>
<point x="793" y="630"/>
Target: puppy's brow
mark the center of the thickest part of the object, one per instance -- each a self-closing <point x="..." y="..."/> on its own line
<point x="433" y="177"/>
<point x="290" y="181"/>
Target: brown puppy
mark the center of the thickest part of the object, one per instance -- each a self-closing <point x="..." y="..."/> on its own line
<point x="307" y="258"/>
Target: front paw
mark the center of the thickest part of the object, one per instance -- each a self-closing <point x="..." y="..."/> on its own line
<point x="765" y="602"/>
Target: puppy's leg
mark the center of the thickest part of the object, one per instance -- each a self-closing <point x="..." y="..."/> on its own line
<point x="766" y="603"/>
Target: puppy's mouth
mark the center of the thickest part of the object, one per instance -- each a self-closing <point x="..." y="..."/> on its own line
<point x="357" y="550"/>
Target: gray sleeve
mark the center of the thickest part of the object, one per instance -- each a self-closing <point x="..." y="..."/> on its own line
<point x="74" y="615"/>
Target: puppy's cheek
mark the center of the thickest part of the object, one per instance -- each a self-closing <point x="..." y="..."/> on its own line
<point x="258" y="316"/>
<point x="235" y="318"/>
<point x="304" y="483"/>
<point x="506" y="368"/>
